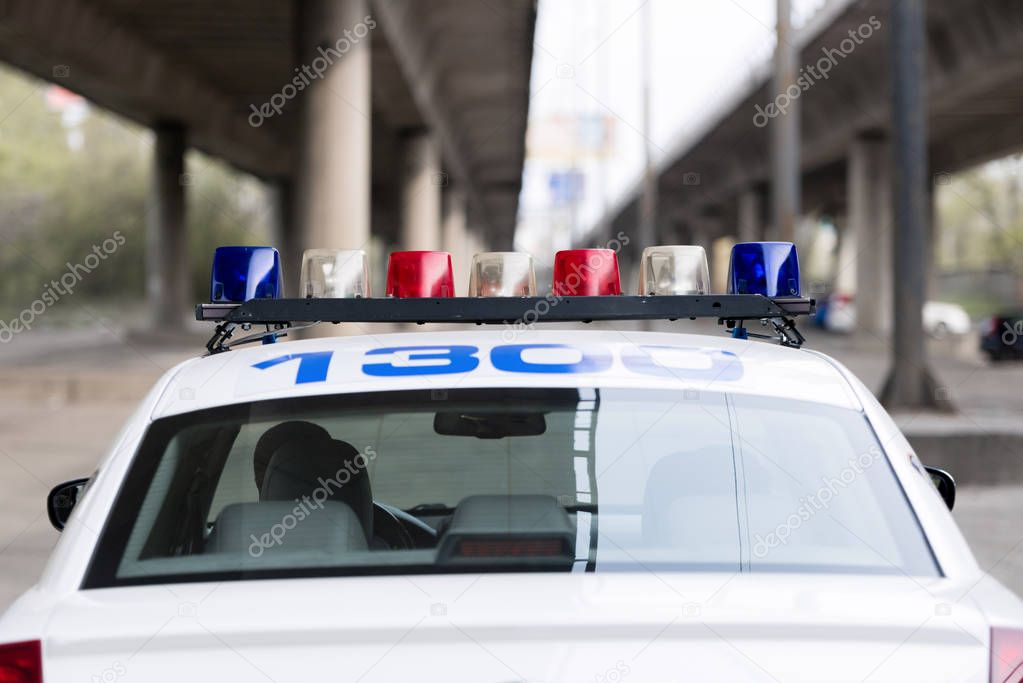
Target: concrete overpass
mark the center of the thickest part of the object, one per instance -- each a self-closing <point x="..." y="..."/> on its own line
<point x="713" y="181"/>
<point x="395" y="119"/>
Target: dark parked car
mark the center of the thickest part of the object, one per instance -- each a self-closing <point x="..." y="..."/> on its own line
<point x="1001" y="336"/>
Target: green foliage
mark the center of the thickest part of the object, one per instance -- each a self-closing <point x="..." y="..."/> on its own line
<point x="59" y="199"/>
<point x="980" y="221"/>
<point x="225" y="207"/>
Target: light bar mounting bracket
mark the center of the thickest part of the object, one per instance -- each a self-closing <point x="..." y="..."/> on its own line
<point x="731" y="310"/>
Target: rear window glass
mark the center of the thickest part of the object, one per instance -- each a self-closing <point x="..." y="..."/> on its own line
<point x="509" y="480"/>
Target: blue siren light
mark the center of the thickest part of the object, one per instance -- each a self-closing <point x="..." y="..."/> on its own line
<point x="767" y="268"/>
<point x="243" y="273"/>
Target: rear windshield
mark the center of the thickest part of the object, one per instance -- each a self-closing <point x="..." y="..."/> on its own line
<point x="508" y="480"/>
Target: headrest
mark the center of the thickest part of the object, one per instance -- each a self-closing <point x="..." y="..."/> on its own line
<point x="275" y="437"/>
<point x="322" y="470"/>
<point x="690" y="498"/>
<point x="258" y="528"/>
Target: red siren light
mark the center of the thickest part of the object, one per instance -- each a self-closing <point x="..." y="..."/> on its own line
<point x="586" y="272"/>
<point x="418" y="274"/>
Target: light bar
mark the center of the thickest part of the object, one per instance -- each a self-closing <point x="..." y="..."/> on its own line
<point x="766" y="268"/>
<point x="243" y="273"/>
<point x="730" y="309"/>
<point x="502" y="273"/>
<point x="502" y="310"/>
<point x="675" y="269"/>
<point x="586" y="272"/>
<point x="246" y="291"/>
<point x="334" y="274"/>
<point x="418" y="274"/>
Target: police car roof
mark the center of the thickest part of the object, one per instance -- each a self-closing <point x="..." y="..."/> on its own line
<point x="496" y="358"/>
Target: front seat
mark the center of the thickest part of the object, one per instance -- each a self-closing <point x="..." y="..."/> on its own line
<point x="689" y="505"/>
<point x="302" y="466"/>
<point x="275" y="437"/>
<point x="247" y="527"/>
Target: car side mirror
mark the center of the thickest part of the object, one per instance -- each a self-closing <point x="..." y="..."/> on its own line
<point x="62" y="500"/>
<point x="945" y="484"/>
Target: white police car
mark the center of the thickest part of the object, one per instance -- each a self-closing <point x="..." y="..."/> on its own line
<point x="510" y="505"/>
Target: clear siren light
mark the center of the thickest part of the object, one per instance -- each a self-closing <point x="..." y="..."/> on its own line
<point x="767" y="268"/>
<point x="502" y="273"/>
<point x="669" y="270"/>
<point x="335" y="274"/>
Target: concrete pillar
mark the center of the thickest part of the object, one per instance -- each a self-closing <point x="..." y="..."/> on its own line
<point x="475" y="243"/>
<point x="333" y="193"/>
<point x="910" y="384"/>
<point x="703" y="231"/>
<point x="847" y="260"/>
<point x="784" y="131"/>
<point x="865" y="251"/>
<point x="719" y="253"/>
<point x="667" y="232"/>
<point x="422" y="183"/>
<point x="751" y="223"/>
<point x="283" y="232"/>
<point x="455" y="237"/>
<point x="933" y="233"/>
<point x="647" y="229"/>
<point x="167" y="267"/>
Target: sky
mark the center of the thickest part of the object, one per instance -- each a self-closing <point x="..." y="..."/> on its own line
<point x="585" y="105"/>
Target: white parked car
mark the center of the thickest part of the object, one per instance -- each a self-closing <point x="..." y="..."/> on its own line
<point x="511" y="505"/>
<point x="940" y="318"/>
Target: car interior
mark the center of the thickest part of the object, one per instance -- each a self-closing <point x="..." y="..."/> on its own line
<point x="299" y="469"/>
<point x="504" y="481"/>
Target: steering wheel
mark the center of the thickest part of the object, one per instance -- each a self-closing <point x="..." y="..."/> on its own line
<point x="388" y="528"/>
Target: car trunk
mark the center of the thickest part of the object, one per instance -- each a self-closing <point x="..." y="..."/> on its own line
<point x="539" y="627"/>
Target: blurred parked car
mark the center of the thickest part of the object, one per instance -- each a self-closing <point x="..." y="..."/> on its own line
<point x="1001" y="336"/>
<point x="942" y="319"/>
<point x="837" y="313"/>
